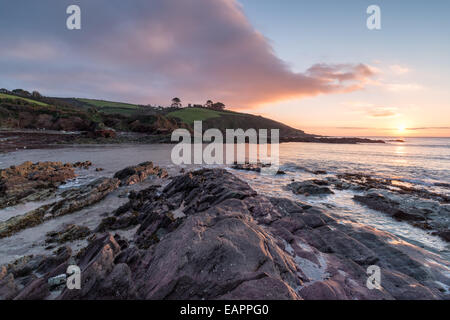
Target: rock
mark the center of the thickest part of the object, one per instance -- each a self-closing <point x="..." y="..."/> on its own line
<point x="3" y="272"/>
<point x="222" y="258"/>
<point x="82" y="165"/>
<point x="96" y="262"/>
<point x="67" y="233"/>
<point x="74" y="200"/>
<point x="349" y="140"/>
<point x="344" y="245"/>
<point x="255" y="167"/>
<point x="115" y="223"/>
<point x="364" y="182"/>
<point x="32" y="181"/>
<point x="24" y="266"/>
<point x="405" y="288"/>
<point x="257" y="290"/>
<point x="310" y="187"/>
<point x="422" y="213"/>
<point x="444" y="234"/>
<point x="8" y="287"/>
<point x="119" y="284"/>
<point x="209" y="235"/>
<point x="379" y="202"/>
<point x="324" y="290"/>
<point x="139" y="173"/>
<point x="55" y="264"/>
<point x="442" y="184"/>
<point x="37" y="290"/>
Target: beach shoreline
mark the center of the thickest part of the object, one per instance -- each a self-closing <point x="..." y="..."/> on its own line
<point x="15" y="140"/>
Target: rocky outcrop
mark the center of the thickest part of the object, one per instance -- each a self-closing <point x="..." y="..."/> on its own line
<point x="73" y="200"/>
<point x="139" y="173"/>
<point x="310" y="187"/>
<point x="422" y="213"/>
<point x="208" y="235"/>
<point x="379" y="202"/>
<point x="421" y="207"/>
<point x="318" y="139"/>
<point x="32" y="181"/>
<point x="255" y="167"/>
<point x="68" y="233"/>
<point x="364" y="182"/>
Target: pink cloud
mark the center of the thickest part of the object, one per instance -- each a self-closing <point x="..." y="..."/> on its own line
<point x="196" y="49"/>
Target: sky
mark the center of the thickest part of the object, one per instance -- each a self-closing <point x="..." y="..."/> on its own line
<point x="313" y="65"/>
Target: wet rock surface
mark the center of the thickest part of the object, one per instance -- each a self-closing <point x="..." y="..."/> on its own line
<point x="209" y="235"/>
<point x="255" y="167"/>
<point x="366" y="182"/>
<point x="422" y="208"/>
<point x="139" y="173"/>
<point x="67" y="233"/>
<point x="422" y="213"/>
<point x="310" y="187"/>
<point x="32" y="181"/>
<point x="73" y="200"/>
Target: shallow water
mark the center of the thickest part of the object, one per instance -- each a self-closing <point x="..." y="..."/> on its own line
<point x="419" y="161"/>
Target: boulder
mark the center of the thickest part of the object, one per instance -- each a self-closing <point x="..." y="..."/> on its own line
<point x="139" y="173"/>
<point x="310" y="187"/>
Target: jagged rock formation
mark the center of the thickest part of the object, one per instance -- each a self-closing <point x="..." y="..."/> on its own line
<point x="32" y="181"/>
<point x="139" y="173"/>
<point x="208" y="235"/>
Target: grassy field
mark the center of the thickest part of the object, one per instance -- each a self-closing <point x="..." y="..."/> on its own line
<point x="111" y="107"/>
<point x="189" y="115"/>
<point x="8" y="96"/>
<point x="109" y="104"/>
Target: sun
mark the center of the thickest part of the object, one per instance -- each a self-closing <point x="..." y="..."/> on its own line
<point x="401" y="129"/>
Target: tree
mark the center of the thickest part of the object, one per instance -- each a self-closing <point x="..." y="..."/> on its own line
<point x="176" y="103"/>
<point x="208" y="104"/>
<point x="21" y="92"/>
<point x="218" y="106"/>
<point x="36" y="94"/>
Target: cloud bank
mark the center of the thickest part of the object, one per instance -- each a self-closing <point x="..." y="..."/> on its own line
<point x="150" y="51"/>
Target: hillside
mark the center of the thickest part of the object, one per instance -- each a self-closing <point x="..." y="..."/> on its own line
<point x="223" y="120"/>
<point x="20" y="109"/>
<point x="13" y="97"/>
<point x="76" y="114"/>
